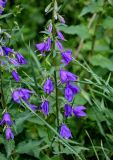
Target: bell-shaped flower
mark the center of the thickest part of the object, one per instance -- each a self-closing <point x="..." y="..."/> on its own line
<point x="79" y="111"/>
<point x="65" y="132"/>
<point x="45" y="107"/>
<point x="66" y="76"/>
<point x="48" y="86"/>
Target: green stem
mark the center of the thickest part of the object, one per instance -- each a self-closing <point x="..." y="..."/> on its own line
<point x="1" y="90"/>
<point x="57" y="107"/>
<point x="55" y="71"/>
<point x="55" y="77"/>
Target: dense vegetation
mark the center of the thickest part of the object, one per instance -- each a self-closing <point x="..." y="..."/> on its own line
<point x="89" y="33"/>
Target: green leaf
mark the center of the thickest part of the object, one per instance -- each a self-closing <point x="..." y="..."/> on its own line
<point x="101" y="61"/>
<point x="108" y="23"/>
<point x="80" y="30"/>
<point x="31" y="147"/>
<point x="2" y="157"/>
<point x="9" y="146"/>
<point x="91" y="8"/>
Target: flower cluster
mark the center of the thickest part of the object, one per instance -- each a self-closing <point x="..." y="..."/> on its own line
<point x="2" y="5"/>
<point x="67" y="78"/>
<point x="23" y="94"/>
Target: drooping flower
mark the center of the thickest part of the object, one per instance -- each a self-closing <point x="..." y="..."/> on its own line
<point x="21" y="60"/>
<point x="9" y="133"/>
<point x="33" y="107"/>
<point x="15" y="76"/>
<point x="41" y="47"/>
<point x="48" y="86"/>
<point x="60" y="35"/>
<point x="66" y="76"/>
<point x="48" y="45"/>
<point x="65" y="132"/>
<point x="59" y="45"/>
<point x="70" y="91"/>
<point x="21" y="93"/>
<point x="69" y="94"/>
<point x="66" y="57"/>
<point x="45" y="107"/>
<point x="7" y="50"/>
<point x="79" y="111"/>
<point x="67" y="110"/>
<point x="6" y="119"/>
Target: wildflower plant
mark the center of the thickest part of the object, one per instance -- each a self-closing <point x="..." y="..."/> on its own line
<point x="52" y="46"/>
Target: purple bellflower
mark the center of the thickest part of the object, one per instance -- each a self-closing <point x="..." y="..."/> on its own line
<point x="21" y="93"/>
<point x="15" y="76"/>
<point x="21" y="60"/>
<point x="41" y="47"/>
<point x="44" y="46"/>
<point x="60" y="35"/>
<point x="9" y="133"/>
<point x="48" y="86"/>
<point x="67" y="110"/>
<point x="66" y="76"/>
<point x="70" y="91"/>
<point x="2" y="5"/>
<point x="79" y="111"/>
<point x="6" y="119"/>
<point x="59" y="45"/>
<point x="66" y="57"/>
<point x="45" y="107"/>
<point x="7" y="50"/>
<point x="65" y="132"/>
<point x="48" y="45"/>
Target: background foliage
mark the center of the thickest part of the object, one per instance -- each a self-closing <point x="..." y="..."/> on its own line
<point x="89" y="32"/>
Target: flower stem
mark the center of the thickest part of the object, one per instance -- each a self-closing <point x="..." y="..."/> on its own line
<point x="55" y="66"/>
